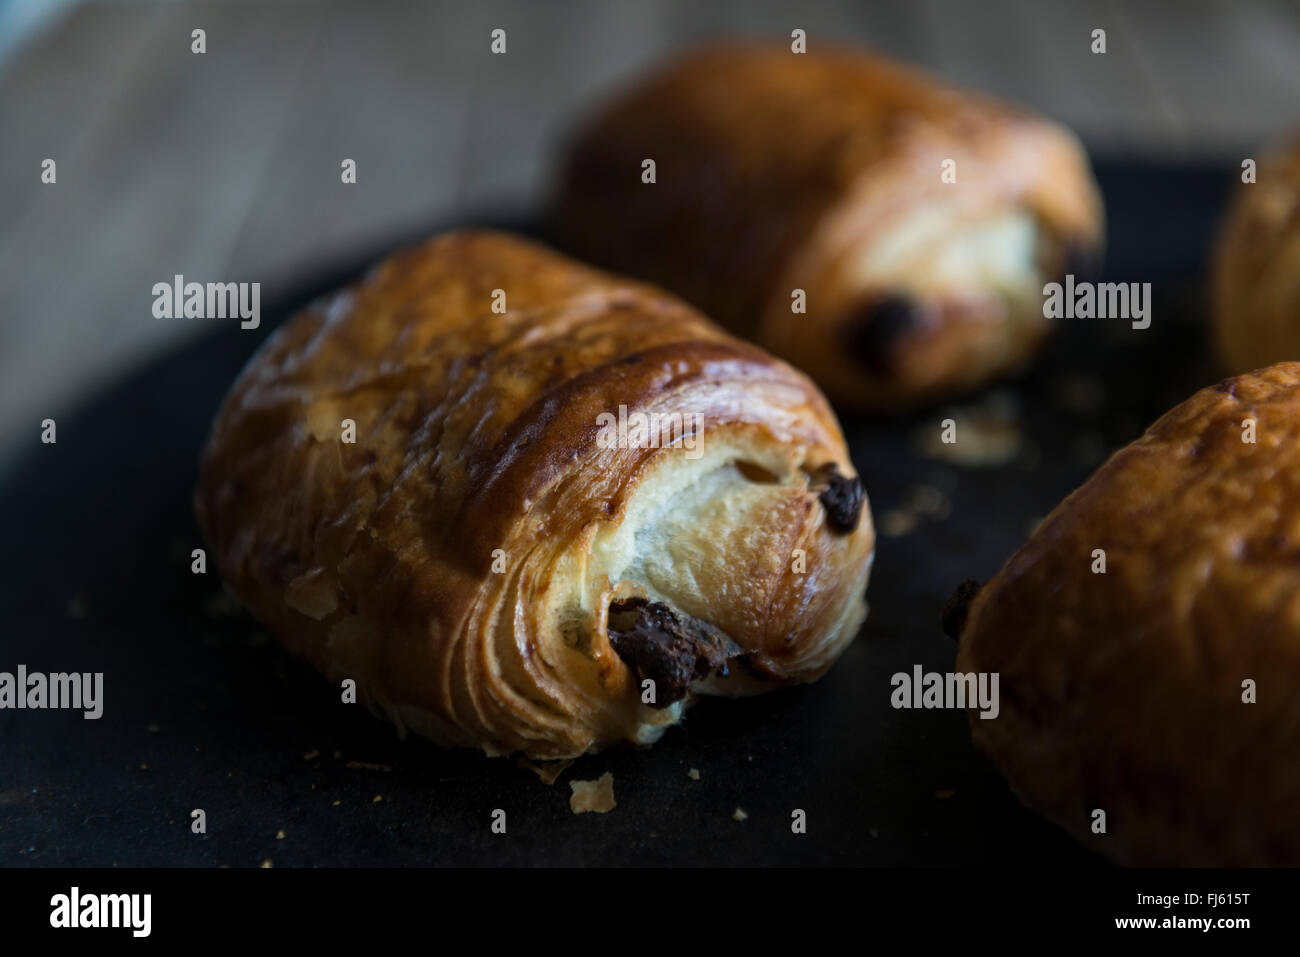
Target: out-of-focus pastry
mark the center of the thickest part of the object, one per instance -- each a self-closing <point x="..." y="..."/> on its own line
<point x="1255" y="276"/>
<point x="561" y="485"/>
<point x="920" y="222"/>
<point x="1147" y="640"/>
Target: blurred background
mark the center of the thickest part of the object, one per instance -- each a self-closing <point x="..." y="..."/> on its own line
<point x="226" y="166"/>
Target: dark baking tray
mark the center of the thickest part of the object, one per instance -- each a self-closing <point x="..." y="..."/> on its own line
<point x="203" y="711"/>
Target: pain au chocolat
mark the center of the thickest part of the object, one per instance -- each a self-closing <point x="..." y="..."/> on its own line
<point x="509" y="553"/>
<point x="1255" y="273"/>
<point x="889" y="235"/>
<point x="1147" y="638"/>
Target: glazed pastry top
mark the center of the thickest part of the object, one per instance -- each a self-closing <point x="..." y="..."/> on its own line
<point x="778" y="171"/>
<point x="460" y="556"/>
<point x="789" y="135"/>
<point x="1123" y="688"/>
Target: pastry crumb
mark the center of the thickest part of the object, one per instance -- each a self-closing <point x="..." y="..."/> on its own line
<point x="596" y="796"/>
<point x="693" y="774"/>
<point x="266" y="864"/>
<point x="896" y="523"/>
<point x="739" y="814"/>
<point x="928" y="501"/>
<point x="378" y="798"/>
<point x="987" y="433"/>
<point x="311" y="755"/>
<point x="279" y="835"/>
<point x="920" y="501"/>
<point x="548" y="771"/>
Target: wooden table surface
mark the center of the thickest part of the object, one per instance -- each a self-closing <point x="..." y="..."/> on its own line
<point x="225" y="166"/>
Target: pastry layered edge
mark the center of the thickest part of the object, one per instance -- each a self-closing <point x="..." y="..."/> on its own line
<point x="459" y="559"/>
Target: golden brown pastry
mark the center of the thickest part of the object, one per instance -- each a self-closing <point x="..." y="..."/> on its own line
<point x="496" y="560"/>
<point x="1255" y="276"/>
<point x="1130" y="690"/>
<point x="824" y="172"/>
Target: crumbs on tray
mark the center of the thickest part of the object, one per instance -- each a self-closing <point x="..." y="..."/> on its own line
<point x="983" y="434"/>
<point x="597" y="795"/>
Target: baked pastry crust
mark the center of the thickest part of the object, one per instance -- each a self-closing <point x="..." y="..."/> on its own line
<point x="460" y="559"/>
<point x="1255" y="273"/>
<point x="822" y="172"/>
<point x="1124" y="691"/>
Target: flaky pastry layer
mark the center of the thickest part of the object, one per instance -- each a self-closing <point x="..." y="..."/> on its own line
<point x="460" y="558"/>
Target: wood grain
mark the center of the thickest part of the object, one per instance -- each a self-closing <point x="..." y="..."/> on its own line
<point x="225" y="166"/>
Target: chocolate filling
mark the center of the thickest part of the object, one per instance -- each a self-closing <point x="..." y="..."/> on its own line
<point x="667" y="646"/>
<point x="841" y="497"/>
<point x="957" y="607"/>
<point x="874" y="333"/>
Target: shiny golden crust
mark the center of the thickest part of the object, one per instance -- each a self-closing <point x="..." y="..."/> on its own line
<point x="779" y="171"/>
<point x="478" y="432"/>
<point x="1123" y="691"/>
<point x="1255" y="276"/>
